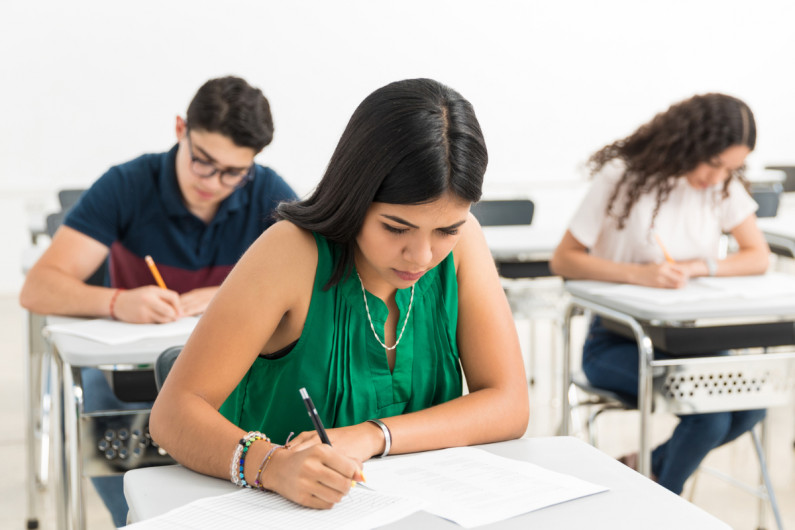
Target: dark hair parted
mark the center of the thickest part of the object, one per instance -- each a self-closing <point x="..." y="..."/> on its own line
<point x="233" y="108"/>
<point x="409" y="142"/>
<point x="673" y="143"/>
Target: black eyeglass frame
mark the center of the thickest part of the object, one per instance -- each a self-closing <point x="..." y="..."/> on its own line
<point x="200" y="168"/>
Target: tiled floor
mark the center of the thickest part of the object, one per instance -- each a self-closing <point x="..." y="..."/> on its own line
<point x="617" y="432"/>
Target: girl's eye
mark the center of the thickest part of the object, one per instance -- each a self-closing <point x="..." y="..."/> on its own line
<point x="395" y="230"/>
<point x="450" y="232"/>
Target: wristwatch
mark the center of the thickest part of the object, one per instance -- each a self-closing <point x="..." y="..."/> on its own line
<point x="712" y="266"/>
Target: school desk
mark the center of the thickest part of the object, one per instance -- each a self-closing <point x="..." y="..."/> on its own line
<point x="75" y="439"/>
<point x="762" y="322"/>
<point x="632" y="502"/>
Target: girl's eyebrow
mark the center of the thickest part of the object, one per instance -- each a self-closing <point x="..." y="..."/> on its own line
<point x="404" y="222"/>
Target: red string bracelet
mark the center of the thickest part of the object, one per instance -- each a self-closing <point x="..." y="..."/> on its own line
<point x="113" y="302"/>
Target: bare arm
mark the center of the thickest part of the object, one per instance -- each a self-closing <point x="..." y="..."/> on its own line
<point x="54" y="285"/>
<point x="573" y="261"/>
<point x="247" y="314"/>
<point x="752" y="257"/>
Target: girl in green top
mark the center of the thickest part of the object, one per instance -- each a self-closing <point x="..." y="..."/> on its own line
<point x="374" y="293"/>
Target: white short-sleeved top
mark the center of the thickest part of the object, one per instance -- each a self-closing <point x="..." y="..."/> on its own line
<point x="689" y="223"/>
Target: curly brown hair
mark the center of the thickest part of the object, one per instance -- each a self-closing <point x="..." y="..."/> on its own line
<point x="672" y="144"/>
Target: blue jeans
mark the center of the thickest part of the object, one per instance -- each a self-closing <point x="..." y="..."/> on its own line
<point x="610" y="361"/>
<point x="97" y="395"/>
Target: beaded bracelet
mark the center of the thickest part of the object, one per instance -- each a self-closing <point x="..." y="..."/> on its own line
<point x="239" y="460"/>
<point x="113" y="302"/>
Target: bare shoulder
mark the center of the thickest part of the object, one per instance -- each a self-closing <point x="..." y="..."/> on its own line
<point x="279" y="262"/>
<point x="472" y="243"/>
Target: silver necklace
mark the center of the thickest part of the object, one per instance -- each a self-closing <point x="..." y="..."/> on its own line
<point x="370" y="319"/>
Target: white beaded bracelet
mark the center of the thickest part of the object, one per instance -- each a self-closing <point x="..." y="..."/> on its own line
<point x="387" y="435"/>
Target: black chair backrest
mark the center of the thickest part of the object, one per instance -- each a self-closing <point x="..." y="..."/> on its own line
<point x="503" y="212"/>
<point x="69" y="197"/>
<point x="766" y="195"/>
<point x="164" y="363"/>
<point x="54" y="220"/>
<point x="789" y="176"/>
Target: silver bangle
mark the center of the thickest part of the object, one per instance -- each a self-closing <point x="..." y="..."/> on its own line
<point x="387" y="435"/>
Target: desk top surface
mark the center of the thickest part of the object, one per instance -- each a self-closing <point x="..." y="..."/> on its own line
<point x="633" y="501"/>
<point x="79" y="351"/>
<point x="775" y="307"/>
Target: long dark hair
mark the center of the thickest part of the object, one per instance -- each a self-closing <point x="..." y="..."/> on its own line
<point x="408" y="142"/>
<point x="672" y="144"/>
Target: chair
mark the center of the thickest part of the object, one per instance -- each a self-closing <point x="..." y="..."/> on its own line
<point x="767" y="196"/>
<point x="525" y="295"/>
<point x="164" y="363"/>
<point x="68" y="197"/>
<point x="789" y="179"/>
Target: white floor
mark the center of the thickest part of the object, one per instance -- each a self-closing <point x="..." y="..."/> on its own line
<point x="617" y="436"/>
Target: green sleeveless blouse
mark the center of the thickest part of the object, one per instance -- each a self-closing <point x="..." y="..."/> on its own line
<point x="344" y="368"/>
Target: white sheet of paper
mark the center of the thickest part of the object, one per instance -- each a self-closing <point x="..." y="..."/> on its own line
<point x="762" y="286"/>
<point x="692" y="292"/>
<point x="361" y="508"/>
<point x="114" y="332"/>
<point x="473" y="487"/>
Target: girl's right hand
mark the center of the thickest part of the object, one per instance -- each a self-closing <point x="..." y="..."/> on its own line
<point x="146" y="305"/>
<point x="318" y="476"/>
<point x="665" y="275"/>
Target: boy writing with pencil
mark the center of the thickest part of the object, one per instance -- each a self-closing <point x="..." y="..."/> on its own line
<point x="194" y="209"/>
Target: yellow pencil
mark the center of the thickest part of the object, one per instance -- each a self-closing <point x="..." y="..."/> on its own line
<point x="668" y="257"/>
<point x="156" y="273"/>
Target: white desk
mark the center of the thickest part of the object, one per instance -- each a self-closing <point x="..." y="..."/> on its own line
<point x="685" y="385"/>
<point x="632" y="501"/>
<point x="75" y="443"/>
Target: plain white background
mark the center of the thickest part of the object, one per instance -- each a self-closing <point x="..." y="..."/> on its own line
<point x="89" y="84"/>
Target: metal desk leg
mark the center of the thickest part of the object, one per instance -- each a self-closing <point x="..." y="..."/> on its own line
<point x="568" y="313"/>
<point x="59" y="444"/>
<point x="73" y="404"/>
<point x="34" y="383"/>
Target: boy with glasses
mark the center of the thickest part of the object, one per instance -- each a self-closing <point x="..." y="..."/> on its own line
<point x="194" y="209"/>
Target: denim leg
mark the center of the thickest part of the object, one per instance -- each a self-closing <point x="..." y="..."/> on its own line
<point x="610" y="361"/>
<point x="743" y="421"/>
<point x="97" y="395"/>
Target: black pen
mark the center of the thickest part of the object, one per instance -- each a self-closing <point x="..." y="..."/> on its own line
<point x="310" y="408"/>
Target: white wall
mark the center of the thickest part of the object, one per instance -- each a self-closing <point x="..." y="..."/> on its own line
<point x="92" y="83"/>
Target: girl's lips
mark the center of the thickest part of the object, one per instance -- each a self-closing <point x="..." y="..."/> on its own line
<point x="409" y="276"/>
<point x="204" y="194"/>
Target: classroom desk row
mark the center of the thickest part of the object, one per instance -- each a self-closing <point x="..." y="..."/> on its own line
<point x="520" y="245"/>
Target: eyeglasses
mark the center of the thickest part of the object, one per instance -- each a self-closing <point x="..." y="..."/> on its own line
<point x="231" y="178"/>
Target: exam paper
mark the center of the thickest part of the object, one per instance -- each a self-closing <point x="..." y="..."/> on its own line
<point x="473" y="487"/>
<point x="707" y="288"/>
<point x="360" y="509"/>
<point x="114" y="332"/>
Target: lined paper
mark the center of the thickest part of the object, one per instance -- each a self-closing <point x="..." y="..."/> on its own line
<point x="360" y="509"/>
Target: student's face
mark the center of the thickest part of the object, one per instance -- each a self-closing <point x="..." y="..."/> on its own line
<point x="212" y="150"/>
<point x="717" y="170"/>
<point x="399" y="243"/>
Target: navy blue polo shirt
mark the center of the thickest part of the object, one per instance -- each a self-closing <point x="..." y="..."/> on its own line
<point x="137" y="209"/>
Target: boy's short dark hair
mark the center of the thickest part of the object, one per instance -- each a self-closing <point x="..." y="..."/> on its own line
<point x="233" y="108"/>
